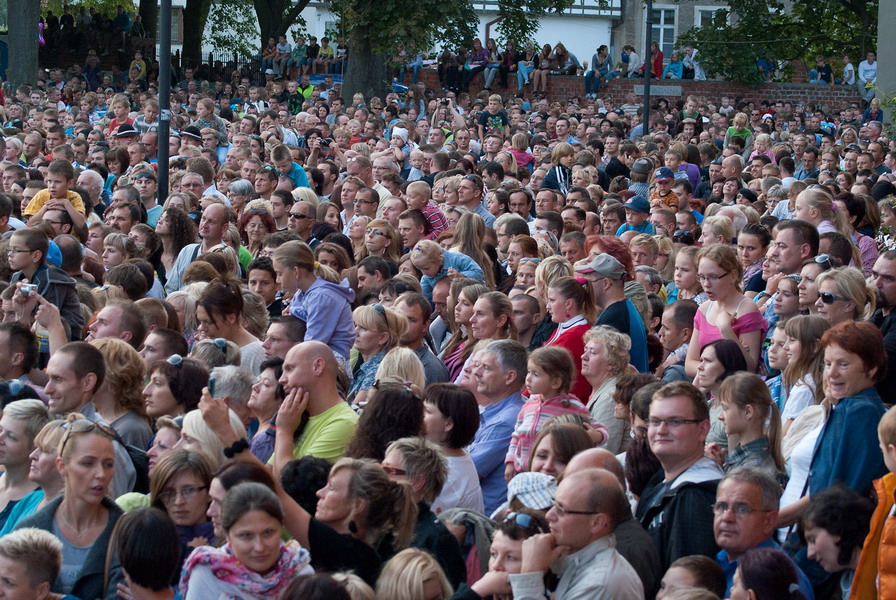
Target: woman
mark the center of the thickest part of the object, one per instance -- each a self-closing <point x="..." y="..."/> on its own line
<point x="179" y="486"/>
<point x="493" y="65"/>
<point x="394" y="410"/>
<point x="491" y="319"/>
<point x="451" y="419"/>
<point x="728" y="314"/>
<point x="42" y="472"/>
<point x="21" y="422"/>
<point x="752" y="244"/>
<point x="196" y="436"/>
<point x="83" y="517"/>
<point x="469" y="240"/>
<point x="461" y="300"/>
<point x="521" y="246"/>
<point x="555" y="445"/>
<point x="768" y="574"/>
<point x="117" y="248"/>
<point x="412" y="574"/>
<point x="750" y="416"/>
<point x="527" y="63"/>
<point x="356" y="233"/>
<point x="854" y="361"/>
<point x="267" y="395"/>
<point x="174" y="387"/>
<point x="328" y="212"/>
<point x="571" y="304"/>
<point x="719" y="360"/>
<point x="543" y="64"/>
<point x="478" y="60"/>
<point x="845" y="295"/>
<point x="175" y="229"/>
<point x="146" y="542"/>
<point x="380" y="239"/>
<point x="334" y="256"/>
<point x="856" y="210"/>
<point x="219" y="313"/>
<point x="119" y="399"/>
<point x="254" y="224"/>
<point x="808" y="289"/>
<point x="505" y="556"/>
<point x="254" y="563"/>
<point x="298" y="271"/>
<point x="377" y="330"/>
<point x="604" y="359"/>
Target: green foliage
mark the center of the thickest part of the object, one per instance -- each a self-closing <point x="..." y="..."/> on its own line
<point x="233" y="26"/>
<point x="106" y="7"/>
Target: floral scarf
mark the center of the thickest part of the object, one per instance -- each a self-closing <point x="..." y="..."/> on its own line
<point x="293" y="560"/>
<point x="751" y="271"/>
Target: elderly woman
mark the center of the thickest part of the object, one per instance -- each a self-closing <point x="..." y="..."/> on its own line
<point x="844" y="295"/>
<point x="254" y="224"/>
<point x="855" y="360"/>
<point x="605" y="359"/>
<point x="239" y="192"/>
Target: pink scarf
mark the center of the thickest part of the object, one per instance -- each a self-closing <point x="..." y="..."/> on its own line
<point x="225" y="566"/>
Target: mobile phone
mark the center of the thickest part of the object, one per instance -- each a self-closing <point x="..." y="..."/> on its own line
<point x="211" y="386"/>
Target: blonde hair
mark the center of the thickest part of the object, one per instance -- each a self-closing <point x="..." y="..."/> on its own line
<point x="33" y="412"/>
<point x="39" y="550"/>
<point x="378" y="318"/>
<point x="404" y="575"/>
<point x="666" y="246"/>
<point x="820" y="200"/>
<point x="725" y="256"/>
<point x="615" y="345"/>
<point x="403" y="365"/>
<point x="426" y="251"/>
<point x="720" y="225"/>
<point x="852" y="285"/>
<point x="195" y="427"/>
<point x="357" y="588"/>
<point x="308" y="195"/>
<point x="124" y="374"/>
<point x="807" y="329"/>
<point x="886" y="428"/>
<point x="298" y="255"/>
<point x="561" y="150"/>
<point x="392" y="253"/>
<point x="549" y="270"/>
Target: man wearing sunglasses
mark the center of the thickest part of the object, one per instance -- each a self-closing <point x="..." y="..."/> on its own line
<point x="301" y="221"/>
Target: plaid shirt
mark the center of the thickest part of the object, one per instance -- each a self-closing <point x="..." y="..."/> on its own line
<point x="437" y="221"/>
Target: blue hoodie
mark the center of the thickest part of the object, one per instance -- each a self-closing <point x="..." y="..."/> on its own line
<point x="326" y="309"/>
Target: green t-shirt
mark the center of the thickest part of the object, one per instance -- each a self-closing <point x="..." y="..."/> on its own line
<point x="327" y="435"/>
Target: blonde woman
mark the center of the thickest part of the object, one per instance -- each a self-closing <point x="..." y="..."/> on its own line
<point x="120" y="397"/>
<point x="377" y="330"/>
<point x="412" y="574"/>
<point x="845" y="295"/>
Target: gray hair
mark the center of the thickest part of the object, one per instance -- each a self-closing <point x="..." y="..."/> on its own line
<point x="241" y="187"/>
<point x="770" y="490"/>
<point x="777" y="191"/>
<point x="506" y="218"/>
<point x="652" y="275"/>
<point x="234" y="383"/>
<point x="511" y="356"/>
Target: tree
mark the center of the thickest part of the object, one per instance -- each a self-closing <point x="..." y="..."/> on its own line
<point x="376" y="29"/>
<point x="238" y="26"/>
<point x="732" y="43"/>
<point x="22" y="37"/>
<point x="195" y="17"/>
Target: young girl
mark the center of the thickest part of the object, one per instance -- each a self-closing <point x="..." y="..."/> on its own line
<point x="763" y="146"/>
<point x="684" y="283"/>
<point x="805" y="363"/>
<point x="777" y="361"/>
<point x="551" y="371"/>
<point x="460" y="304"/>
<point x="787" y="301"/>
<point x="571" y="304"/>
<point x="560" y="176"/>
<point x="816" y="206"/>
<point x="751" y="417"/>
<point x="519" y="148"/>
<point x="739" y="128"/>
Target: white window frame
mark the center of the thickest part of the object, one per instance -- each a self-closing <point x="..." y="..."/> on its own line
<point x="675" y="13"/>
<point x="698" y="19"/>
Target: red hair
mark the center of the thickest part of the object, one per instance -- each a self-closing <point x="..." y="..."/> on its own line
<point x="615" y="247"/>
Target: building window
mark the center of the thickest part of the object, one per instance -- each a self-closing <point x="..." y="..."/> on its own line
<point x="177" y="15"/>
<point x="664" y="29"/>
<point x="703" y="16"/>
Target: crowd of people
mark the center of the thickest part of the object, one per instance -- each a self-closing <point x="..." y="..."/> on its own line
<point x="435" y="346"/>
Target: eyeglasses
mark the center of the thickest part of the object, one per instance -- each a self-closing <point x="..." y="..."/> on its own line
<point x="176" y="360"/>
<point x="187" y="493"/>
<point x="672" y="423"/>
<point x="370" y="231"/>
<point x="740" y="509"/>
<point x="711" y="278"/>
<point x="298" y="216"/>
<point x="562" y="512"/>
<point x="829" y="297"/>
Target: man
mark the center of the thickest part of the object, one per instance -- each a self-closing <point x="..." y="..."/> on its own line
<point x="161" y="344"/>
<point x="809" y="170"/>
<point x="392" y="210"/>
<point x="676" y="506"/>
<point x="411" y="228"/>
<point x="883" y="275"/>
<point x="520" y="203"/>
<point x="527" y="317"/>
<point x="499" y="376"/>
<point x="605" y="275"/>
<point x="572" y="246"/>
<point x="677" y="325"/>
<point x="76" y="371"/>
<point x="147" y="184"/>
<point x="119" y="319"/>
<point x="92" y="182"/>
<point x="124" y="216"/>
<point x="746" y="512"/>
<point x="587" y="508"/>
<point x="507" y="226"/>
<point x="311" y="369"/>
<point x="420" y="463"/>
<point x="361" y="167"/>
<point x="281" y="205"/>
<point x="372" y="272"/>
<point x="469" y="193"/>
<point x="214" y="222"/>
<point x="418" y="311"/>
<point x="18" y="352"/>
<point x="795" y="241"/>
<point x="301" y="221"/>
<point x="283" y="333"/>
<point x="367" y="203"/>
<point x="632" y="540"/>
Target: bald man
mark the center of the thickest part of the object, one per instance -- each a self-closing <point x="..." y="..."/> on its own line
<point x="632" y="540"/>
<point x="312" y="368"/>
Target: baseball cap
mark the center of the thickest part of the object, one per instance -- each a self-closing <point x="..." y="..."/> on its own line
<point x="663" y="174"/>
<point x="603" y="264"/>
<point x="639" y="204"/>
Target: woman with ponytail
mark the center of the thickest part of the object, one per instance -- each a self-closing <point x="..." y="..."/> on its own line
<point x="752" y="422"/>
<point x="570" y="301"/>
<point x="317" y="297"/>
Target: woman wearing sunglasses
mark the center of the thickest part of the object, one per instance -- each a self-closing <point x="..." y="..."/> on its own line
<point x="82" y="517"/>
<point x="808" y="288"/>
<point x="844" y="295"/>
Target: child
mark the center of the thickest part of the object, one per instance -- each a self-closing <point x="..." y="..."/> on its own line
<point x="762" y="145"/>
<point x="28" y="250"/>
<point x="281" y="157"/>
<point x="520" y="150"/>
<point x="752" y="422"/>
<point x="787" y="302"/>
<point x="294" y="100"/>
<point x="805" y="365"/>
<point x="873" y="577"/>
<point x="637" y="210"/>
<point x="662" y="194"/>
<point x="59" y="178"/>
<point x="149" y="120"/>
<point x="493" y="118"/>
<point x="560" y="176"/>
<point x="121" y="106"/>
<point x="777" y="361"/>
<point x="551" y="372"/>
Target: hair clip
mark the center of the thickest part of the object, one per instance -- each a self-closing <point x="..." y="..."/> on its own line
<point x="176" y="360"/>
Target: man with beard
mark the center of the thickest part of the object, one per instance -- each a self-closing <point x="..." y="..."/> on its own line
<point x="883" y="275"/>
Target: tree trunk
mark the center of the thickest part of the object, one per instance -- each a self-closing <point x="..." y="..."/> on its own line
<point x="23" y="42"/>
<point x="149" y="14"/>
<point x="195" y="16"/>
<point x="368" y="71"/>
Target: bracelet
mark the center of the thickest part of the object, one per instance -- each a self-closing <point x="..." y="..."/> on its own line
<point x="236" y="447"/>
<point x="760" y="295"/>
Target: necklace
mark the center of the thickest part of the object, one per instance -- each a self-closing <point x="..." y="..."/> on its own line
<point x="79" y="533"/>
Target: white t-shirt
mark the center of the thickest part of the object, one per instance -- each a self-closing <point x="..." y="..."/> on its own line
<point x="461" y="489"/>
<point x="800" y="396"/>
<point x="798" y="465"/>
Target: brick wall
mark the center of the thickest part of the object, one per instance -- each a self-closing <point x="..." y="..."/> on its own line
<point x="562" y="87"/>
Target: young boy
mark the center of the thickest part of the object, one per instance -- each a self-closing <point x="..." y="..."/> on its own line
<point x="121" y="106"/>
<point x="59" y="178"/>
<point x="418" y="198"/>
<point x="662" y="194"/>
<point x="28" y="250"/>
<point x="281" y="157"/>
<point x="637" y="211"/>
<point x="493" y="118"/>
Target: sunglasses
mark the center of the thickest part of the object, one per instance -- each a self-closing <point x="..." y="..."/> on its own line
<point x="829" y="297"/>
<point x="298" y="216"/>
<point x="826" y="261"/>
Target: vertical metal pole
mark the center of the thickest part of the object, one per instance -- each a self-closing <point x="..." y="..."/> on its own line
<point x="164" y="95"/>
<point x="648" y="67"/>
